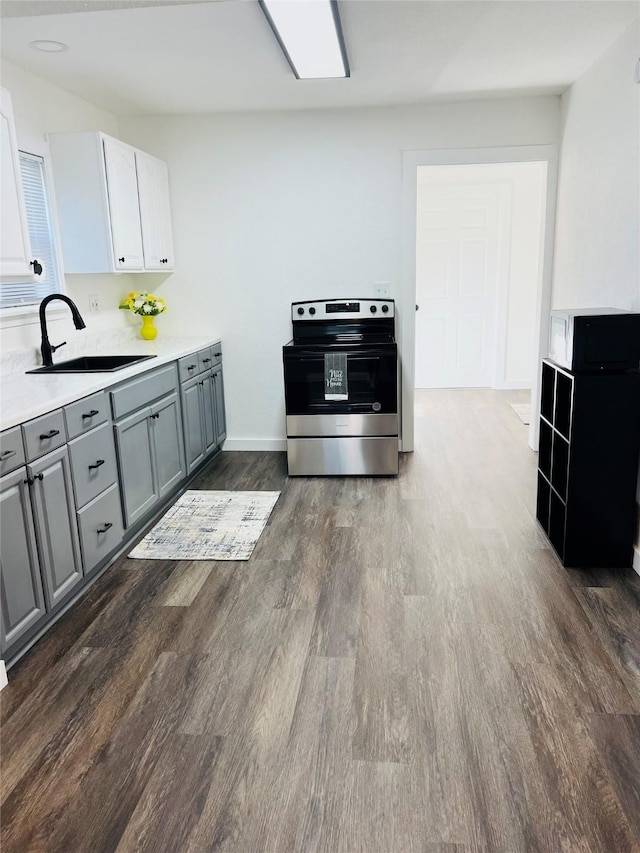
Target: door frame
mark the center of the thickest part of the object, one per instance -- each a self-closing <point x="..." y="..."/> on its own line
<point x="407" y="327"/>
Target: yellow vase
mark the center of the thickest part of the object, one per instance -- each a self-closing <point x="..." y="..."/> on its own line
<point x="148" y="330"/>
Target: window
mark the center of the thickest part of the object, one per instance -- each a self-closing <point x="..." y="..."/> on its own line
<point x="43" y="246"/>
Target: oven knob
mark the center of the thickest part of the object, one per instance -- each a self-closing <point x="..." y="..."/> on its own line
<point x="301" y="310"/>
<point x="312" y="310"/>
<point x="373" y="309"/>
<point x="385" y="309"/>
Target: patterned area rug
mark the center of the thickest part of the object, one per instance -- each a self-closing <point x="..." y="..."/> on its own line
<point x="523" y="411"/>
<point x="209" y="526"/>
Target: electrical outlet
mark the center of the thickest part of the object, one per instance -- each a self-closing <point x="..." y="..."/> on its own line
<point x="382" y="289"/>
<point x="94" y="303"/>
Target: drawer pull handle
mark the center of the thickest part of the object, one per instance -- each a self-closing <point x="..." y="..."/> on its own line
<point x="155" y="417"/>
<point x="206" y="360"/>
<point x="97" y="464"/>
<point x="7" y="455"/>
<point x="90" y="414"/>
<point x="217" y="354"/>
<point x="106" y="527"/>
<point x="49" y="434"/>
<point x="121" y="260"/>
<point x="192" y="367"/>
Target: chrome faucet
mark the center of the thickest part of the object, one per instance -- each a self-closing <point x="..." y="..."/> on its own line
<point x="47" y="349"/>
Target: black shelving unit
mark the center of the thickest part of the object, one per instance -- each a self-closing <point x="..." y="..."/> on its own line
<point x="588" y="465"/>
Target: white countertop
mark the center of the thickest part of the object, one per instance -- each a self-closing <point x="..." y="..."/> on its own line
<point x="25" y="396"/>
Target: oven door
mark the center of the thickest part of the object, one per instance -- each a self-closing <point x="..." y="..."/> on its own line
<point x="372" y="381"/>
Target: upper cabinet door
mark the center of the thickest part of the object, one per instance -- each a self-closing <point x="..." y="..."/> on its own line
<point x="124" y="211"/>
<point x="155" y="212"/>
<point x="15" y="246"/>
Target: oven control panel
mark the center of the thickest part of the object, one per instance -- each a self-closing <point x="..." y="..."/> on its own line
<point x="351" y="309"/>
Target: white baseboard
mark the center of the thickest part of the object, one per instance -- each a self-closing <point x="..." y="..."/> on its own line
<point x="3" y="675"/>
<point x="255" y="444"/>
<point x="636" y="559"/>
<point x="514" y="385"/>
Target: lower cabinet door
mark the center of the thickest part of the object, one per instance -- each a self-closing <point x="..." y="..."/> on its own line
<point x="193" y="427"/>
<point x="100" y="525"/>
<point x="138" y="475"/>
<point x="21" y="596"/>
<point x="218" y="405"/>
<point x="56" y="526"/>
<point x="168" y="443"/>
<point x="208" y="412"/>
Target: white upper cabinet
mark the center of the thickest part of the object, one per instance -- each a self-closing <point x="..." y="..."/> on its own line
<point x="155" y="212"/>
<point x="124" y="208"/>
<point x="113" y="205"/>
<point x="15" y="246"/>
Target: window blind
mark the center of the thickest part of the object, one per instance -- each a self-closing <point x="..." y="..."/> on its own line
<point x="18" y="293"/>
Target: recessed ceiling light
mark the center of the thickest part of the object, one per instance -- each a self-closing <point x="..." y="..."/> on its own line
<point x="310" y="36"/>
<point x="48" y="46"/>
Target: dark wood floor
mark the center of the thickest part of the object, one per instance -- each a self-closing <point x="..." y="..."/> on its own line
<point x="401" y="666"/>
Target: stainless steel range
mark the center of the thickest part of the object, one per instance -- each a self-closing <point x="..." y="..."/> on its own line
<point x="341" y="388"/>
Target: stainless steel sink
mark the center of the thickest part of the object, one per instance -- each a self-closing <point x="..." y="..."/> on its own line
<point x="93" y="364"/>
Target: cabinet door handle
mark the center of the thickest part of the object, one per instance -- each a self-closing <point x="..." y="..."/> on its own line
<point x="7" y="455"/>
<point x="90" y="414"/>
<point x="97" y="464"/>
<point x="49" y="434"/>
<point x="31" y="480"/>
<point x="37" y="267"/>
<point x="28" y="481"/>
<point x="121" y="260"/>
<point x="107" y="525"/>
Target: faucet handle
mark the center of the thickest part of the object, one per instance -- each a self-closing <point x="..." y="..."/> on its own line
<point x="57" y="346"/>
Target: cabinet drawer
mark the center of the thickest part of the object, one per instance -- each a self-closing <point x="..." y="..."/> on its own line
<point x="205" y="359"/>
<point x="44" y="434"/>
<point x="100" y="525"/>
<point x="188" y="366"/>
<point x="11" y="450"/>
<point x="216" y="354"/>
<point x="141" y="391"/>
<point x="93" y="463"/>
<point x="86" y="414"/>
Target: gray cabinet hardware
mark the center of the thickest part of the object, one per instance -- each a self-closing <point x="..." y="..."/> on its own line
<point x="90" y="414"/>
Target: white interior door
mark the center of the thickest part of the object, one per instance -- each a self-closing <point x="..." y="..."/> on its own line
<point x="458" y="250"/>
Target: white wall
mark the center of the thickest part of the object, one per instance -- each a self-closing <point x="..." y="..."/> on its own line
<point x="596" y="249"/>
<point x="597" y="259"/>
<point x="517" y="305"/>
<point x="270" y="208"/>
<point x="42" y="108"/>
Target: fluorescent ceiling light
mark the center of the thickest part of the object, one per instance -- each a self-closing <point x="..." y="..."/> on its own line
<point x="310" y="36"/>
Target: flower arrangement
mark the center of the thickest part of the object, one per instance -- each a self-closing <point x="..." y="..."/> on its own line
<point x="144" y="303"/>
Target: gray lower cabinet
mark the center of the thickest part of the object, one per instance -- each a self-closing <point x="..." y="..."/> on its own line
<point x="138" y="475"/>
<point x="218" y="405"/>
<point x="56" y="526"/>
<point x="149" y="445"/>
<point x="192" y="416"/>
<point x="167" y="440"/>
<point x="203" y="415"/>
<point x="21" y="594"/>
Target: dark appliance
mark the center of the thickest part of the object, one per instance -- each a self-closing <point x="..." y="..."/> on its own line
<point x="355" y="430"/>
<point x="590" y="340"/>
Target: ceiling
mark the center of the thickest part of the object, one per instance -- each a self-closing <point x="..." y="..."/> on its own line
<point x="164" y="57"/>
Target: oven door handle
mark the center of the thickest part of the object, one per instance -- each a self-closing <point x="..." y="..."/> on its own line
<point x="359" y="354"/>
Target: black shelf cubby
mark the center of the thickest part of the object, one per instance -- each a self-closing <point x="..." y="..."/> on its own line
<point x="588" y="465"/>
